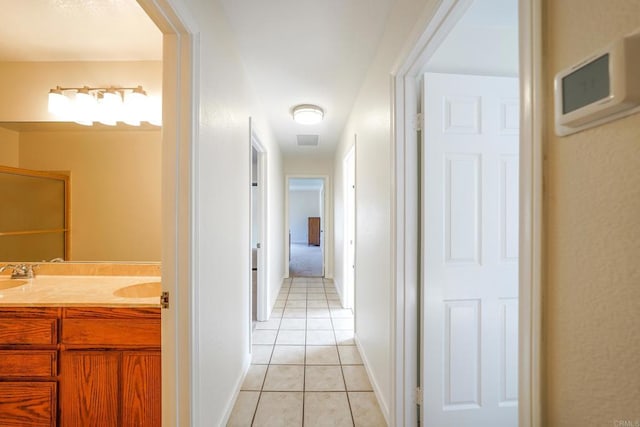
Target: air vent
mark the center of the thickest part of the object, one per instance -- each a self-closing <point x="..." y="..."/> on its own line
<point x="307" y="140"/>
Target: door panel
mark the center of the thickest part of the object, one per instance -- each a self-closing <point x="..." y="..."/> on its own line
<point x="470" y="250"/>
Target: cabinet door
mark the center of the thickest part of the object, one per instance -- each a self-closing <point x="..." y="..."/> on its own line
<point x="141" y="389"/>
<point x="27" y="404"/>
<point x="89" y="388"/>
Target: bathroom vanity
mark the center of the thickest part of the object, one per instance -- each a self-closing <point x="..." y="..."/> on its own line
<point x="80" y="351"/>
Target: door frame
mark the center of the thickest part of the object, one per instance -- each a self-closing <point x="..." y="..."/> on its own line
<point x="431" y="31"/>
<point x="180" y="89"/>
<point x="325" y="224"/>
<point x="350" y="224"/>
<point x="262" y="298"/>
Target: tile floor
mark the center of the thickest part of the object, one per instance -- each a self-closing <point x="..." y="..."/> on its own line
<point x="306" y="370"/>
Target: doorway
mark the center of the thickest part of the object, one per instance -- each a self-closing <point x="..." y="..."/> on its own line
<point x="407" y="252"/>
<point x="469" y="223"/>
<point x="349" y="251"/>
<point x="306" y="226"/>
<point x="259" y="310"/>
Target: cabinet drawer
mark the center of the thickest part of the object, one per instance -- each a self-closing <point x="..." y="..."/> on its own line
<point x="28" y="331"/>
<point x="28" y="363"/>
<point x="95" y="327"/>
<point x="111" y="332"/>
<point x="28" y="404"/>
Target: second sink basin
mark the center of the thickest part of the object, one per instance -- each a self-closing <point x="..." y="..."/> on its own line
<point x="140" y="290"/>
<point x="8" y="284"/>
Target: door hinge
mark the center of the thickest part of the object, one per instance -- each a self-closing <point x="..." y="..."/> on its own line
<point x="164" y="299"/>
<point x="419" y="396"/>
<point x="418" y="123"/>
<point x="258" y="246"/>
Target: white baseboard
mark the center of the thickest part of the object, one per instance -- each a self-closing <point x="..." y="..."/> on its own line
<point x="238" y="386"/>
<point x="384" y="407"/>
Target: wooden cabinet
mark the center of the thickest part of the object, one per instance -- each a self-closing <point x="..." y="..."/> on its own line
<point x="28" y="366"/>
<point x="28" y="403"/>
<point x="80" y="367"/>
<point x="110" y="367"/>
<point x="314" y="231"/>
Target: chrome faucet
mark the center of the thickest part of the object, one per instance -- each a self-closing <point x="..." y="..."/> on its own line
<point x="21" y="271"/>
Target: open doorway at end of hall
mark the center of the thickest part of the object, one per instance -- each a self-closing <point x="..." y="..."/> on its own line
<point x="306" y="227"/>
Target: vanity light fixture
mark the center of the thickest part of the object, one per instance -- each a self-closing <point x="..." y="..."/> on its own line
<point x="307" y="114"/>
<point x="107" y="105"/>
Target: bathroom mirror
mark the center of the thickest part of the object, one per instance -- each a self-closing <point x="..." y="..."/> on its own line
<point x="114" y="192"/>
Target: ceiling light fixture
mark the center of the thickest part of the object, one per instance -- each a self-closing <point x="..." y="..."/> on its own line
<point x="107" y="105"/>
<point x="307" y="114"/>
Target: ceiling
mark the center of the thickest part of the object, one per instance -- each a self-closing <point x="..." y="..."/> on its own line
<point x="77" y="30"/>
<point x="307" y="52"/>
<point x="294" y="51"/>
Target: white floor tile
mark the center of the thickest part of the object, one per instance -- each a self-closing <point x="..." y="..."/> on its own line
<point x="244" y="409"/>
<point x="273" y="323"/>
<point x="315" y="324"/>
<point x="279" y="410"/>
<point x="286" y="337"/>
<point x="342" y="324"/>
<point x="288" y="355"/>
<point x="349" y="355"/>
<point x="323" y="378"/>
<point x="254" y="378"/>
<point x="344" y="337"/>
<point x="284" y="378"/>
<point x="320" y="338"/>
<point x="356" y="378"/>
<point x="299" y="313"/>
<point x="264" y="337"/>
<point x="322" y="355"/>
<point x="365" y="410"/>
<point x="291" y="323"/>
<point x="317" y="312"/>
<point x="261" y="354"/>
<point x="327" y="409"/>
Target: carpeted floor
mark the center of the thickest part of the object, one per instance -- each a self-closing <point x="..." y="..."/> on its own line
<point x="306" y="261"/>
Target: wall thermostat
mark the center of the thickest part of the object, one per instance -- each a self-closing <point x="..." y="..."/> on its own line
<point x="602" y="87"/>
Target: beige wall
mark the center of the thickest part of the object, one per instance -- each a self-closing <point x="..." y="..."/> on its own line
<point x="115" y="189"/>
<point x="9" y="147"/>
<point x="25" y="85"/>
<point x="592" y="206"/>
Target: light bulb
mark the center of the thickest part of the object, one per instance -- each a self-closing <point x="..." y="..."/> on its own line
<point x="85" y="106"/>
<point x="109" y="107"/>
<point x="135" y="106"/>
<point x="58" y="103"/>
<point x="308" y="114"/>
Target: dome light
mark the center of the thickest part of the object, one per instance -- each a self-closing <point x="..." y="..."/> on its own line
<point x="307" y="114"/>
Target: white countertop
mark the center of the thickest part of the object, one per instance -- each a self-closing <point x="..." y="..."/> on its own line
<point x="70" y="291"/>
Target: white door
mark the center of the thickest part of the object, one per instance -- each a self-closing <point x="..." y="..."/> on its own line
<point x="469" y="348"/>
<point x="349" y="226"/>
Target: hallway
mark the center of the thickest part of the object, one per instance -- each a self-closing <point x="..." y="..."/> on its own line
<point x="306" y="369"/>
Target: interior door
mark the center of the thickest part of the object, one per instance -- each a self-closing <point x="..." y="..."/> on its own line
<point x="469" y="357"/>
<point x="350" y="227"/>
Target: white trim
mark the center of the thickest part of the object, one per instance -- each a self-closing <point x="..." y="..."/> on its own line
<point x="180" y="134"/>
<point x="328" y="193"/>
<point x="531" y="226"/>
<point x="430" y="31"/>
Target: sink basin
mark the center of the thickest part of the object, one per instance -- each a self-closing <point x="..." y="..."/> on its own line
<point x="8" y="284"/>
<point x="140" y="290"/>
